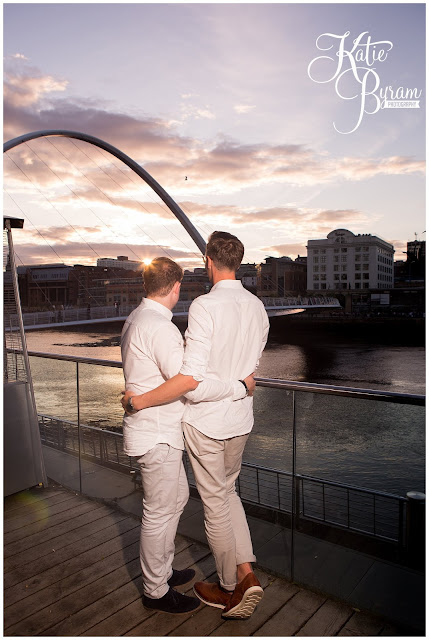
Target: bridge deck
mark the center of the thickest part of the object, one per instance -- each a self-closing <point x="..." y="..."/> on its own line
<point x="72" y="568"/>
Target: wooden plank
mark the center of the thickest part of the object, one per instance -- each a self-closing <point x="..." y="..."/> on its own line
<point x="67" y="585"/>
<point x="31" y="517"/>
<point x="62" y="529"/>
<point x="83" y="533"/>
<point x="44" y="525"/>
<point x="81" y="620"/>
<point x="97" y="611"/>
<point x="40" y="622"/>
<point x="392" y="631"/>
<point x="36" y="493"/>
<point x="290" y="618"/>
<point x="327" y="621"/>
<point x="75" y="561"/>
<point x="33" y="502"/>
<point x="131" y="619"/>
<point x="276" y="595"/>
<point x="362" y="624"/>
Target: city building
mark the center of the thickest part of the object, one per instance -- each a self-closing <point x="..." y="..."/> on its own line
<point x="121" y="262"/>
<point x="345" y="261"/>
<point x="44" y="286"/>
<point x="279" y="277"/>
<point x="124" y="291"/>
<point x="248" y="275"/>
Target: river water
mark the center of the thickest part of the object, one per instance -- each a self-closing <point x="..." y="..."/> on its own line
<point x="376" y="445"/>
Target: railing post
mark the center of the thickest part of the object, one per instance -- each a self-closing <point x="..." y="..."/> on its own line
<point x="292" y="529"/>
<point x="416" y="528"/>
<point x="78" y="426"/>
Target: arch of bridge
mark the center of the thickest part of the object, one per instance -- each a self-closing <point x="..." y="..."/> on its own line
<point x="142" y="173"/>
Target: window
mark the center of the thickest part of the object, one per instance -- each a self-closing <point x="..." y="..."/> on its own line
<point x="344" y="250"/>
<point x="366" y="276"/>
<point x="336" y="250"/>
<point x="316" y="277"/>
<point x="316" y="268"/>
<point x="365" y="285"/>
<point x="365" y="248"/>
<point x="365" y="267"/>
<point x="323" y="259"/>
<point x="315" y="285"/>
<point x="358" y="267"/>
<point x="322" y="250"/>
<point x="316" y="251"/>
<point x="336" y="258"/>
<point x="336" y="276"/>
<point x="344" y="276"/>
<point x="323" y="276"/>
<point x="357" y="276"/>
<point x="323" y="285"/>
<point x="343" y="258"/>
<point x="343" y="267"/>
<point x="316" y="259"/>
<point x="357" y="285"/>
<point x="365" y="256"/>
<point x="336" y="267"/>
<point x="357" y="257"/>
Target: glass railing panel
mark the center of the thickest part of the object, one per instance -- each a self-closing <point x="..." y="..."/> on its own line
<point x="356" y="459"/>
<point x="265" y="481"/>
<point x="55" y="391"/>
<point x="374" y="444"/>
<point x="106" y="471"/>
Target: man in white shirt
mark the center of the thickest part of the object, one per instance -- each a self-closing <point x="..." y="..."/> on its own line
<point x="227" y="332"/>
<point x="152" y="351"/>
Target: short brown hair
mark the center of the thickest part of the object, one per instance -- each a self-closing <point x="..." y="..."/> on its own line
<point x="160" y="276"/>
<point x="225" y="250"/>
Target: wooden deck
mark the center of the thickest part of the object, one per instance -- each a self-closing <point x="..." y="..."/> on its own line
<point x="72" y="568"/>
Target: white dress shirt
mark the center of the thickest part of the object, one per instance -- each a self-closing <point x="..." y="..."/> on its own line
<point x="227" y="332"/>
<point x="152" y="352"/>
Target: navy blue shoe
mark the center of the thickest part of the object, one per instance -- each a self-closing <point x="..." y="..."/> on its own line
<point x="181" y="577"/>
<point x="172" y="602"/>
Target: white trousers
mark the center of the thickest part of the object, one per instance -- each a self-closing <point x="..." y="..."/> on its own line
<point x="216" y="465"/>
<point x="166" y="492"/>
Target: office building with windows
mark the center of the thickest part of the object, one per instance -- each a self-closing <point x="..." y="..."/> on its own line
<point x="347" y="261"/>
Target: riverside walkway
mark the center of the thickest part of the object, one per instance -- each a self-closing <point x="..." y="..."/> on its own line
<point x="72" y="568"/>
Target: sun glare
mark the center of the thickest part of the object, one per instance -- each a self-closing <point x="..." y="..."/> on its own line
<point x="147" y="261"/>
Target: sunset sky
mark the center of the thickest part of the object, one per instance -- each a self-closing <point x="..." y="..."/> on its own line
<point x="216" y="102"/>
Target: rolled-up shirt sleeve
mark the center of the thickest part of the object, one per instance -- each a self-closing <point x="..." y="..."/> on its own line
<point x="210" y="390"/>
<point x="198" y="338"/>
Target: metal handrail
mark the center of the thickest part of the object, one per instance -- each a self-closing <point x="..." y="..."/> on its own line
<point x="257" y="485"/>
<point x="288" y="385"/>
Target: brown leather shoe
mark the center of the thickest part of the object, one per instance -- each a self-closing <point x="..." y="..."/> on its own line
<point x="247" y="594"/>
<point x="212" y="593"/>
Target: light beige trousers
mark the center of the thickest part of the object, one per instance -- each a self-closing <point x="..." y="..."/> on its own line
<point x="166" y="492"/>
<point x="216" y="465"/>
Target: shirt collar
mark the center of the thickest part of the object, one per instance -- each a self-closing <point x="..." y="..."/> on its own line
<point x="227" y="284"/>
<point x="156" y="306"/>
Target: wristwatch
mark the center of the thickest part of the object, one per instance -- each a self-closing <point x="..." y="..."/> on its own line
<point x="130" y="407"/>
<point x="245" y="386"/>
